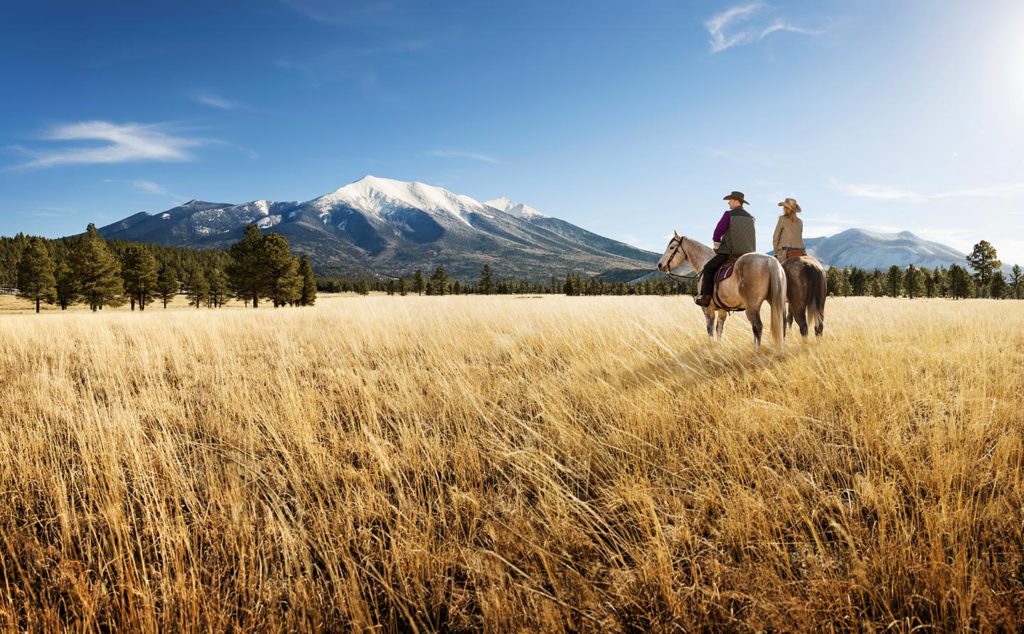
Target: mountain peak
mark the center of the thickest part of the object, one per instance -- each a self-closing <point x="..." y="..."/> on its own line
<point x="520" y="210"/>
<point x="384" y="196"/>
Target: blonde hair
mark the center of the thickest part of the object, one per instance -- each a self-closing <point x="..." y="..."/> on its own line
<point x="789" y="212"/>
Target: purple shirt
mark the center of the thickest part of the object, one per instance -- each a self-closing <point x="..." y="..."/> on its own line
<point x="723" y="226"/>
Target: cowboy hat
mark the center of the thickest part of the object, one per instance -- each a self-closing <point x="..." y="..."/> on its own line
<point x="790" y="203"/>
<point x="736" y="196"/>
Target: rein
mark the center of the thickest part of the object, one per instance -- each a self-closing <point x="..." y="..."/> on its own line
<point x="675" y="252"/>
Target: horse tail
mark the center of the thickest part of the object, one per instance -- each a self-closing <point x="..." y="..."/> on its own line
<point x="777" y="299"/>
<point x="817" y="291"/>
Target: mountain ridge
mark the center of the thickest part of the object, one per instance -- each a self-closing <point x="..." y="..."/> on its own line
<point x="384" y="226"/>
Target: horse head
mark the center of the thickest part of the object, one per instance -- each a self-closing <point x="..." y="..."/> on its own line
<point x="674" y="254"/>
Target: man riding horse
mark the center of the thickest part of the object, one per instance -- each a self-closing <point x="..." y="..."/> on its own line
<point x="734" y="236"/>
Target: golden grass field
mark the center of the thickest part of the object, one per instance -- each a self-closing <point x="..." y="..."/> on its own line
<point x="511" y="464"/>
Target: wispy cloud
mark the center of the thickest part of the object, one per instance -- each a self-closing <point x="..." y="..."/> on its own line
<point x="43" y="211"/>
<point x="474" y="156"/>
<point x="350" y="62"/>
<point x="120" y="143"/>
<point x="735" y="26"/>
<point x="893" y="194"/>
<point x="151" y="187"/>
<point x="215" y="101"/>
<point x="341" y="12"/>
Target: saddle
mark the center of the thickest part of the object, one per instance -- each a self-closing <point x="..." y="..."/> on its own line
<point x="723" y="273"/>
<point x="795" y="253"/>
<point x="725" y="270"/>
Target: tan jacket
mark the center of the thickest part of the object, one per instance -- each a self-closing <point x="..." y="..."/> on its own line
<point x="788" y="234"/>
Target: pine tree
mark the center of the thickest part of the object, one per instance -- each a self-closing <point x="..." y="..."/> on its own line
<point x="894" y="281"/>
<point x="66" y="289"/>
<point x="282" y="270"/>
<point x="439" y="281"/>
<point x="1016" y="281"/>
<point x="36" y="278"/>
<point x="928" y="277"/>
<point x="858" y="282"/>
<point x="486" y="285"/>
<point x="199" y="289"/>
<point x="96" y="271"/>
<point x="984" y="260"/>
<point x="307" y="296"/>
<point x="941" y="278"/>
<point x="834" y="280"/>
<point x="139" y="270"/>
<point x="167" y="284"/>
<point x="219" y="286"/>
<point x="912" y="281"/>
<point x="402" y="287"/>
<point x="959" y="282"/>
<point x="418" y="283"/>
<point x="997" y="287"/>
<point x="249" y="272"/>
<point x="363" y="286"/>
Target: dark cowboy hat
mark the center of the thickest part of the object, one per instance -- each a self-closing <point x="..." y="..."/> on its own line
<point x="736" y="196"/>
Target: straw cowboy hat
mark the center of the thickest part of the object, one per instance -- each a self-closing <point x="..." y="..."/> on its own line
<point x="790" y="203"/>
<point x="736" y="196"/>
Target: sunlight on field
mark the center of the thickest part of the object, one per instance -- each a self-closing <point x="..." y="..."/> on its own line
<point x="511" y="463"/>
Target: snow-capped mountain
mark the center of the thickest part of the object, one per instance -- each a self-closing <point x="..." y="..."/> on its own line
<point x="385" y="226"/>
<point x="872" y="250"/>
<point x="520" y="210"/>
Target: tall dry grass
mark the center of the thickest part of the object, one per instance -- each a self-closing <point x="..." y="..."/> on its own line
<point x="511" y="464"/>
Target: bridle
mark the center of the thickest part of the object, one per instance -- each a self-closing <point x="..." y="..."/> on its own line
<point x="675" y="252"/>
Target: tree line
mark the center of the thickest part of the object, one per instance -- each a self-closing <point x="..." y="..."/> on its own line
<point x="89" y="270"/>
<point x="438" y="282"/>
<point x="983" y="277"/>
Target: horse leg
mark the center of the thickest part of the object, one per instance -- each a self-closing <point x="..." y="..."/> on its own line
<point x="709" y="315"/>
<point x="720" y="326"/>
<point x="787" y="323"/>
<point x="819" y="327"/>
<point x="754" y="315"/>
<point x="801" y="321"/>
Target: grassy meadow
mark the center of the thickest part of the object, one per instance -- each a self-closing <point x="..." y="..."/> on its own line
<point x="510" y="464"/>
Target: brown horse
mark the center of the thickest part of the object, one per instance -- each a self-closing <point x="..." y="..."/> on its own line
<point x="756" y="278"/>
<point x="806" y="290"/>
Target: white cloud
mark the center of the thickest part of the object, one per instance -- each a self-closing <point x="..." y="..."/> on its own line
<point x="725" y="34"/>
<point x="121" y="143"/>
<point x="215" y="101"/>
<point x="149" y="187"/>
<point x="475" y="156"/>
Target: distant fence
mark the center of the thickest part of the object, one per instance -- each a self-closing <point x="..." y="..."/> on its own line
<point x="8" y="290"/>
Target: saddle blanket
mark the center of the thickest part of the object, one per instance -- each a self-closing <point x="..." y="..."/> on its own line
<point x="725" y="270"/>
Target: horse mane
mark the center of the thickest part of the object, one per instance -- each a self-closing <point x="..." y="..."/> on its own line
<point x="690" y="242"/>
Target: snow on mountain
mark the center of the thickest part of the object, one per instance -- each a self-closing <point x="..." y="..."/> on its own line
<point x="519" y="210"/>
<point x="874" y="250"/>
<point x="222" y="220"/>
<point x="385" y="226"/>
<point x="381" y="197"/>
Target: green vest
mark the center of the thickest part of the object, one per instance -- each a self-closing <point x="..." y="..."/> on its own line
<point x="741" y="237"/>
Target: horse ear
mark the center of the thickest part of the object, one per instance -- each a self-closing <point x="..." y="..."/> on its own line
<point x="675" y="232"/>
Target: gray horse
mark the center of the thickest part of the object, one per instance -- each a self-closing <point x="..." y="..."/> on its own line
<point x="756" y="278"/>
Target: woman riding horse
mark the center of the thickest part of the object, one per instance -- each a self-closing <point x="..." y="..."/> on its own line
<point x="806" y="286"/>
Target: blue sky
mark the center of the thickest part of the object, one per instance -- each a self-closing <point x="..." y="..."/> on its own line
<point x="629" y="118"/>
